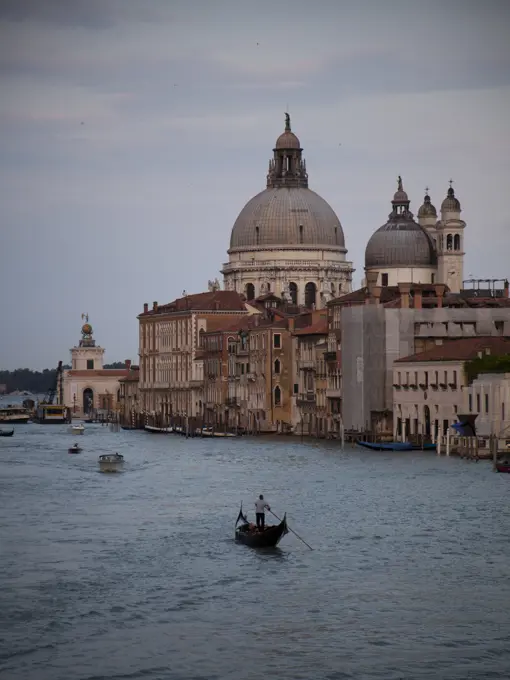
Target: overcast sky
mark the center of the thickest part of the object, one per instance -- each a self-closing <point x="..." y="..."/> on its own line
<point x="132" y="132"/>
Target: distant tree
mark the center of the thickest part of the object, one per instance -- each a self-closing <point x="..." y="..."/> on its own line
<point x="37" y="382"/>
<point x="116" y="364"/>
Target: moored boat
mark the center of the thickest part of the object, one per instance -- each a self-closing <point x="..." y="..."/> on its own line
<point x="74" y="449"/>
<point x="502" y="466"/>
<point x="111" y="462"/>
<point x="247" y="533"/>
<point x="14" y="414"/>
<point x="386" y="446"/>
<point x="6" y="433"/>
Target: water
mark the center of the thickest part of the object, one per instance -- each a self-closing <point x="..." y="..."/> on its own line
<point x="136" y="575"/>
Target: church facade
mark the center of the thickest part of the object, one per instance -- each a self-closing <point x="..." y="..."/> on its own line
<point x="287" y="240"/>
<point x="429" y="250"/>
<point x="87" y="385"/>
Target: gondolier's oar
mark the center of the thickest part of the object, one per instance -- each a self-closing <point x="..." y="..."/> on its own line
<point x="298" y="536"/>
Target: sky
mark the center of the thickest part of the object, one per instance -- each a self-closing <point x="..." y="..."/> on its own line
<point x="133" y="132"/>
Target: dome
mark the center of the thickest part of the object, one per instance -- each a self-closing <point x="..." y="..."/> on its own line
<point x="401" y="243"/>
<point x="450" y="203"/>
<point x="287" y="140"/>
<point x="287" y="217"/>
<point x="427" y="209"/>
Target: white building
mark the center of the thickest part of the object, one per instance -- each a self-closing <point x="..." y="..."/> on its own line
<point x="87" y="385"/>
<point x="427" y="251"/>
<point x="287" y="239"/>
<point x="489" y="396"/>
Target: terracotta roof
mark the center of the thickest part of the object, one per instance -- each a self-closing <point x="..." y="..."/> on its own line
<point x="318" y="327"/>
<point x="99" y="373"/>
<point x="463" y="349"/>
<point x="132" y="376"/>
<point x="219" y="300"/>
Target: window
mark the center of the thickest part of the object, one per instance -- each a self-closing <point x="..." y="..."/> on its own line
<point x="296" y="388"/>
<point x="250" y="291"/>
<point x="455" y="378"/>
<point x="502" y="410"/>
<point x="257" y="235"/>
<point x="310" y="294"/>
<point x="277" y="366"/>
<point x="301" y="233"/>
<point x="456" y="242"/>
<point x="277" y="341"/>
<point x="486" y="403"/>
<point x="470" y="403"/>
<point x="384" y="279"/>
<point x="90" y="364"/>
<point x="478" y="403"/>
<point x="277" y="396"/>
<point x="293" y="289"/>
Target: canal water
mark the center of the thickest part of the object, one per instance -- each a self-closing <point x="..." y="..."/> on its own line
<point x="136" y="575"/>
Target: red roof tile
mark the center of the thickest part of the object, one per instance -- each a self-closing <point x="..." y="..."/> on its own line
<point x="219" y="300"/>
<point x="99" y="373"/>
<point x="463" y="349"/>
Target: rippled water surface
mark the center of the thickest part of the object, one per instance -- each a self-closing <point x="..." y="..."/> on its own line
<point x="136" y="575"/>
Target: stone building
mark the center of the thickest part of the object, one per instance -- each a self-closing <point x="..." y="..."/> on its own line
<point x="87" y="386"/>
<point x="128" y="396"/>
<point x="489" y="397"/>
<point x="427" y="251"/>
<point x="287" y="239"/>
<point x="430" y="388"/>
<point x="171" y="375"/>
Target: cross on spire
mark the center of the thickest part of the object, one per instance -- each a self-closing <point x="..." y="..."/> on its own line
<point x="426" y="190"/>
<point x="451" y="182"/>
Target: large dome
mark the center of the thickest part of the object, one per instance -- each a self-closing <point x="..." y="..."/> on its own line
<point x="287" y="217"/>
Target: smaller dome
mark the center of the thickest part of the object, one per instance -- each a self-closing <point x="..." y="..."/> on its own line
<point x="427" y="209"/>
<point x="450" y="203"/>
<point x="287" y="140"/>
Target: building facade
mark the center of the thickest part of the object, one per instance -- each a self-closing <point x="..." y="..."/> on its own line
<point x="171" y="374"/>
<point x="287" y="240"/>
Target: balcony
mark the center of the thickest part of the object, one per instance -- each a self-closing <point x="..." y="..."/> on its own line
<point x="334" y="393"/>
<point x="306" y="399"/>
<point x="306" y="364"/>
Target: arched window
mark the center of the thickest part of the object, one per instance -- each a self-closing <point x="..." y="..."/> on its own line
<point x="277" y="396"/>
<point x="456" y="242"/>
<point x="250" y="291"/>
<point x="257" y="235"/>
<point x="293" y="289"/>
<point x="301" y="233"/>
<point x="310" y="294"/>
<point x="449" y="242"/>
<point x="432" y="278"/>
<point x="277" y="366"/>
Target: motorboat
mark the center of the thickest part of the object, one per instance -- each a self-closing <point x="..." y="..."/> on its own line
<point x="77" y="429"/>
<point x="111" y="462"/>
<point x="74" y="449"/>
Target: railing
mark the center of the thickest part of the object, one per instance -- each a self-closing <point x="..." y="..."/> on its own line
<point x="334" y="393"/>
<point x="306" y="363"/>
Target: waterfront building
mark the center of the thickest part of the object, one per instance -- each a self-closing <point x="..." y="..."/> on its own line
<point x="431" y="388"/>
<point x="128" y="396"/>
<point x="426" y="251"/>
<point x="386" y="325"/>
<point x="311" y="346"/>
<point x="489" y="397"/>
<point x="171" y="375"/>
<point x="87" y="386"/>
<point x="287" y="240"/>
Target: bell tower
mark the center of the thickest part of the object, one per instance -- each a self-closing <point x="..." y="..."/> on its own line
<point x="450" y="242"/>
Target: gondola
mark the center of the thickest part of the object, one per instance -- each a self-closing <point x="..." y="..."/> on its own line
<point x="249" y="535"/>
<point x="74" y="449"/>
<point x="6" y="433"/>
<point x="502" y="466"/>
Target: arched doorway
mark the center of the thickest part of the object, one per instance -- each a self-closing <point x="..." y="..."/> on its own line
<point x="88" y="400"/>
<point x="293" y="290"/>
<point x="426" y="417"/>
<point x="250" y="291"/>
<point x="310" y="294"/>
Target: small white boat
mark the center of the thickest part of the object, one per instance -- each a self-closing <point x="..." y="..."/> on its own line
<point x="111" y="462"/>
<point x="77" y="429"/>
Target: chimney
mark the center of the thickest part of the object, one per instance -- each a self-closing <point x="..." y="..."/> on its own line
<point x="292" y="323"/>
<point x="418" y="300"/>
<point x="505" y="289"/>
<point x="155" y="306"/>
<point x="145" y="307"/>
<point x="440" y="289"/>
<point x="404" y="289"/>
<point x="371" y="283"/>
<point x="128" y="364"/>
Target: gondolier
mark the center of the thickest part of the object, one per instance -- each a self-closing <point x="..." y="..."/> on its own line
<point x="260" y="508"/>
